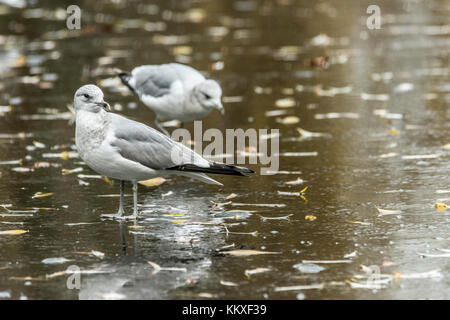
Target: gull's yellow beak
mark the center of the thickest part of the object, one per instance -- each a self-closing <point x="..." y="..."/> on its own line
<point x="220" y="108"/>
<point x="105" y="105"/>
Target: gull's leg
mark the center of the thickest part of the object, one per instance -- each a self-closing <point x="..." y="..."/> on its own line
<point x="135" y="198"/>
<point x="122" y="189"/>
<point x="160" y="127"/>
<point x="119" y="214"/>
<point x="182" y="125"/>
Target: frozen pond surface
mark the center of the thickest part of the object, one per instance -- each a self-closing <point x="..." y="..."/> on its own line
<point x="382" y="104"/>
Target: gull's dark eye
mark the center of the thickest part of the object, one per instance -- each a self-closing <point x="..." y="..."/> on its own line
<point x="86" y="96"/>
<point x="207" y="96"/>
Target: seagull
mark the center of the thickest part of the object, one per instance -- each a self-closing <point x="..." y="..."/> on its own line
<point x="173" y="91"/>
<point x="127" y="150"/>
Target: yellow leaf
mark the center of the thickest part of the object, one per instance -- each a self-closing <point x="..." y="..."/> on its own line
<point x="178" y="221"/>
<point x="304" y="189"/>
<point x="135" y="227"/>
<point x="310" y="217"/>
<point x="304" y="198"/>
<point x="182" y="50"/>
<point x="201" y="222"/>
<point x="440" y="206"/>
<point x="41" y="195"/>
<point x="285" y="103"/>
<point x="13" y="232"/>
<point x="393" y="132"/>
<point x="20" y="61"/>
<point x="107" y="180"/>
<point x="65" y="155"/>
<point x="288" y="120"/>
<point x="153" y="182"/>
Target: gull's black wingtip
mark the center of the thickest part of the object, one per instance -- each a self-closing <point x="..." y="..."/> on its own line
<point x="125" y="78"/>
<point x="215" y="168"/>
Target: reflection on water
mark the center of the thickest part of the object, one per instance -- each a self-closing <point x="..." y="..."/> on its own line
<point x="379" y="98"/>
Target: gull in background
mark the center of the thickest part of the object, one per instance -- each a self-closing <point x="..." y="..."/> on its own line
<point x="123" y="149"/>
<point x="173" y="91"/>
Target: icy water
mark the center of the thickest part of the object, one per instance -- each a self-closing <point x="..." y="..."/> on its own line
<point x="382" y="106"/>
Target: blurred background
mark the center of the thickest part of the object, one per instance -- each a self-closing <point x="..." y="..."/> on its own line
<point x="363" y="118"/>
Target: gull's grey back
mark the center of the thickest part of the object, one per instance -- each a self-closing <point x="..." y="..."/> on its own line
<point x="156" y="80"/>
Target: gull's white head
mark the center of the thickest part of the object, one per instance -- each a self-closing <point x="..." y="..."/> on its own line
<point x="208" y="94"/>
<point x="90" y="98"/>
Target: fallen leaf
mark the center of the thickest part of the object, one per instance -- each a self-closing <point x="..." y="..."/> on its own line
<point x="250" y="272"/>
<point x="439" y="206"/>
<point x="285" y="103"/>
<point x="393" y="132"/>
<point x="327" y="261"/>
<point x="385" y="212"/>
<point x="231" y="196"/>
<point x="276" y="218"/>
<point x="228" y="283"/>
<point x="41" y="195"/>
<point x="310" y="217"/>
<point x="153" y="182"/>
<point x="245" y="253"/>
<point x="288" y="120"/>
<point x="13" y="232"/>
<point x="318" y="286"/>
<point x="295" y="182"/>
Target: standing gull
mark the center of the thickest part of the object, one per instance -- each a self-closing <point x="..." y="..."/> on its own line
<point x="127" y="150"/>
<point x="173" y="91"/>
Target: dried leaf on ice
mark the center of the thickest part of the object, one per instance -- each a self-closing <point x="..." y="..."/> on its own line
<point x="65" y="172"/>
<point x="250" y="272"/>
<point x="336" y="115"/>
<point x="13" y="232"/>
<point x="276" y="218"/>
<point x="385" y="212"/>
<point x="231" y="196"/>
<point x="246" y="253"/>
<point x="440" y="206"/>
<point x="387" y="155"/>
<point x="228" y="283"/>
<point x="41" y="195"/>
<point x="420" y="275"/>
<point x="79" y="223"/>
<point x="19" y="162"/>
<point x="318" y="286"/>
<point x="327" y="261"/>
<point x="288" y="120"/>
<point x="310" y="217"/>
<point x="157" y="268"/>
<point x="285" y="103"/>
<point x="58" y="260"/>
<point x="421" y="156"/>
<point x="304" y="134"/>
<point x="153" y="182"/>
<point x="375" y="97"/>
<point x="431" y="255"/>
<point x="295" y="182"/>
